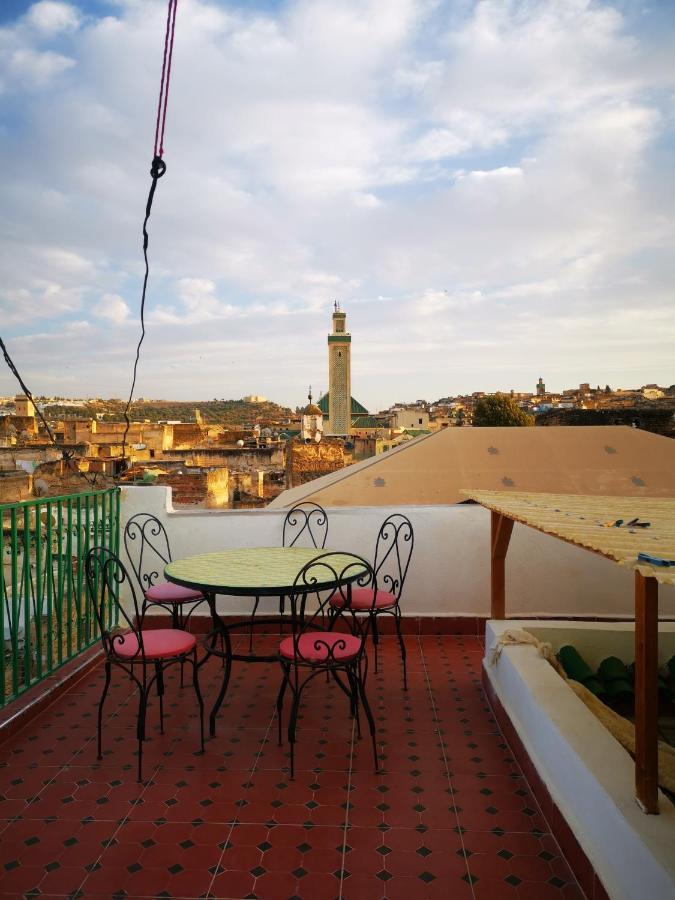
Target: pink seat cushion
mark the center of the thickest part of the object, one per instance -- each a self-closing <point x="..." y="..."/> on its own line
<point x="167" y="592"/>
<point x="313" y="646"/>
<point x="362" y="599"/>
<point x="160" y="643"/>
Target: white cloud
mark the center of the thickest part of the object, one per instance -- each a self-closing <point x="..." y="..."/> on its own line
<point x="113" y="308"/>
<point x="33" y="68"/>
<point x="466" y="175"/>
<point x="51" y="17"/>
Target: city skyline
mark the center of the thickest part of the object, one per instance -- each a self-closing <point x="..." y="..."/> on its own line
<point x="487" y="188"/>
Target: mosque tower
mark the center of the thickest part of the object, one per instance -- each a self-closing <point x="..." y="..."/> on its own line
<point x="339" y="375"/>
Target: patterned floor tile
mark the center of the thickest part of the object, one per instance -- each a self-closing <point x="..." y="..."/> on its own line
<point x="448" y="813"/>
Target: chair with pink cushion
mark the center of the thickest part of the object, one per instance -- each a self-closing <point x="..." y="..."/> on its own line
<point x="143" y="656"/>
<point x="147" y="546"/>
<point x="338" y="652"/>
<point x="393" y="551"/>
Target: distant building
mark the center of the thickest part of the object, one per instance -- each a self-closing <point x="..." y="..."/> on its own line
<point x="410" y="418"/>
<point x="311" y="421"/>
<point x="23" y="406"/>
<point x="339" y="375"/>
<point x="254" y="398"/>
<point x="541" y="387"/>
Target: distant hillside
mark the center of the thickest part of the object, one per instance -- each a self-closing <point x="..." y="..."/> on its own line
<point x="220" y="412"/>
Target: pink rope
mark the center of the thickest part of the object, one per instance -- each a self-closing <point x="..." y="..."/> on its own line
<point x="162" y="102"/>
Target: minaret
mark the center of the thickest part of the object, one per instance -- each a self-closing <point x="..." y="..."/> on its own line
<point x="339" y="375"/>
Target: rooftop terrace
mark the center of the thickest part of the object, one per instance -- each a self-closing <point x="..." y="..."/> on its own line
<point x="450" y="815"/>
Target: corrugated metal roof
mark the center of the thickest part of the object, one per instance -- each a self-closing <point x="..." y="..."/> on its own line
<point x="597" y="523"/>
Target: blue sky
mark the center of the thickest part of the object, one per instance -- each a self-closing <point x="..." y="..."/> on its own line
<point x="487" y="187"/>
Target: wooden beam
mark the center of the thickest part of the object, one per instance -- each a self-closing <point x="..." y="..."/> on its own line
<point x="500" y="535"/>
<point x="646" y="692"/>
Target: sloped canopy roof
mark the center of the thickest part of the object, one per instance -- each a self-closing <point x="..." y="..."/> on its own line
<point x="609" y="460"/>
<point x="586" y="521"/>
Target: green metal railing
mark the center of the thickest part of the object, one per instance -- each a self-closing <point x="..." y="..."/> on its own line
<point x="46" y="615"/>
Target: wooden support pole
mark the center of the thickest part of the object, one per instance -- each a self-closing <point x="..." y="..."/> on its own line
<point x="500" y="535"/>
<point x="646" y="692"/>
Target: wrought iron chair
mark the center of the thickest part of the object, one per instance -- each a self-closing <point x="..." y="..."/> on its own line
<point x="305" y="524"/>
<point x="393" y="551"/>
<point x="311" y="650"/>
<point x="150" y="651"/>
<point x="147" y="545"/>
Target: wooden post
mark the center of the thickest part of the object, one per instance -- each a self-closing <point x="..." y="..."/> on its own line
<point x="646" y="692"/>
<point x="500" y="534"/>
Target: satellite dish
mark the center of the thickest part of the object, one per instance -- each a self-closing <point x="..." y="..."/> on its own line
<point x="240" y="443"/>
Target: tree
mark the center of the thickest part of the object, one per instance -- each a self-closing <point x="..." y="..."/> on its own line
<point x="499" y="409"/>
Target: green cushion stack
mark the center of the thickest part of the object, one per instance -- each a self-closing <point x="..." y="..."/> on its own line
<point x="616" y="678"/>
<point x="578" y="670"/>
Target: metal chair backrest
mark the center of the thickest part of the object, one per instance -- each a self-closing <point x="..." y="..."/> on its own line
<point x="308" y="521"/>
<point x="106" y="578"/>
<point x="340" y="572"/>
<point x="393" y="551"/>
<point x="148" y="550"/>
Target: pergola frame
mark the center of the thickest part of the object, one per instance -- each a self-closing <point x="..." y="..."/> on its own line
<point x="645" y="596"/>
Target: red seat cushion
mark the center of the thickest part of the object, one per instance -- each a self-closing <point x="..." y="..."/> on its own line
<point x="167" y="592"/>
<point x="362" y="599"/>
<point x="160" y="643"/>
<point x="313" y="646"/>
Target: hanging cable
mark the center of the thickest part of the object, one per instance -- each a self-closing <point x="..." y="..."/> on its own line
<point x="66" y="454"/>
<point x="157" y="169"/>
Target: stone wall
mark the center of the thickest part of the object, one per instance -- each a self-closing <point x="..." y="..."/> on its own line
<point x="305" y="462"/>
<point x="658" y="421"/>
<point x="15" y="487"/>
<point x="208" y="489"/>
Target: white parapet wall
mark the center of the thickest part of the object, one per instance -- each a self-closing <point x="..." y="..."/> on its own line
<point x="589" y="775"/>
<point x="450" y="569"/>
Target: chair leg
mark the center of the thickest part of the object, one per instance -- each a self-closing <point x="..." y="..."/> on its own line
<point x="159" y="680"/>
<point x="200" y="699"/>
<point x="401" y="643"/>
<point x="354" y="701"/>
<point x="376" y="638"/>
<point x="140" y="728"/>
<point x="177" y="624"/>
<point x="282" y="608"/>
<point x="280" y="699"/>
<point x="292" y="722"/>
<point x="108" y="668"/>
<point x="369" y="716"/>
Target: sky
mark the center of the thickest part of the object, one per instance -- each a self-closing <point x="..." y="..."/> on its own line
<point x="486" y="186"/>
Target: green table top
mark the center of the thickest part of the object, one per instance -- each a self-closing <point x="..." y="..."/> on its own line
<point x="260" y="571"/>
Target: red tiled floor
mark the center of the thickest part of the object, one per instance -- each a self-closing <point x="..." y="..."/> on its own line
<point x="449" y="814"/>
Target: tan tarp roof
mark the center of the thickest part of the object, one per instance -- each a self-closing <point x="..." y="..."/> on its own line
<point x="589" y="522"/>
<point x="610" y="460"/>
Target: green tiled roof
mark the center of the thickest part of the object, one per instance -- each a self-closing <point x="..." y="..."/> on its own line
<point x="357" y="408"/>
<point x="368" y="422"/>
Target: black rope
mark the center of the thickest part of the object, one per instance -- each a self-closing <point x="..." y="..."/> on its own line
<point x="157" y="169"/>
<point x="66" y="454"/>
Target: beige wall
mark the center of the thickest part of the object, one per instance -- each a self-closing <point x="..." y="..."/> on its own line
<point x="411" y="418"/>
<point x="450" y="571"/>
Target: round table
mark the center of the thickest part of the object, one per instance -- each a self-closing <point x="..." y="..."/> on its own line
<point x="257" y="572"/>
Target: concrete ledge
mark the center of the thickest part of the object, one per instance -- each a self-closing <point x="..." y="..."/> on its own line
<point x="586" y="772"/>
<point x="32" y="701"/>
